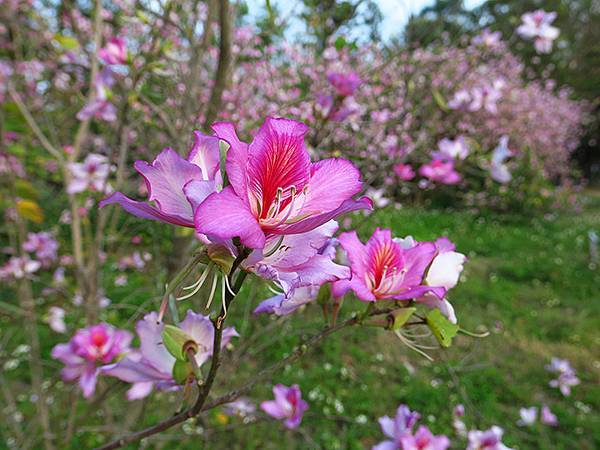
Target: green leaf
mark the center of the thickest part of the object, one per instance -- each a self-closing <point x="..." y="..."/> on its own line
<point x="340" y="43"/>
<point x="223" y="148"/>
<point x="439" y="99"/>
<point x="66" y="42"/>
<point x="174" y="340"/>
<point x="400" y="317"/>
<point x="442" y="328"/>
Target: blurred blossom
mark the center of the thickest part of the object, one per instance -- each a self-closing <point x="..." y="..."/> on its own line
<point x="536" y="25"/>
<point x="56" y="319"/>
<point x="528" y="416"/>
<point x="488" y="38"/>
<point x="114" y="52"/>
<point x="43" y="245"/>
<point x="440" y="172"/>
<point x="242" y="407"/>
<point x="499" y="170"/>
<point x="19" y="267"/>
<point x="451" y="149"/>
<point x="404" y="171"/>
<point x="91" y="174"/>
<point x="567" y="377"/>
<point x="344" y="83"/>
<point x="396" y="428"/>
<point x="11" y="164"/>
<point x="287" y="406"/>
<point x="486" y="440"/>
<point x="87" y="349"/>
<point x="547" y="417"/>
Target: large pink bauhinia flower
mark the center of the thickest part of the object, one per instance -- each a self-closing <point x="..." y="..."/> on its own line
<point x="151" y="366"/>
<point x="275" y="189"/>
<point x="385" y="269"/>
<point x="176" y="184"/>
<point x="88" y="348"/>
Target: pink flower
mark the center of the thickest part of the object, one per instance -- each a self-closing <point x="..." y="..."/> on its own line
<point x="56" y="319"/>
<point x="383" y="269"/>
<point x="488" y="38"/>
<point x="151" y="366"/>
<point x="114" y="52"/>
<point x="528" y="416"/>
<point x="440" y="171"/>
<point x="423" y="439"/>
<point x="344" y="83"/>
<point x="404" y="171"/>
<point x="460" y="100"/>
<point x="536" y="25"/>
<point x="566" y="375"/>
<point x="43" y="245"/>
<point x="397" y="428"/>
<point x="295" y="261"/>
<point x="177" y="185"/>
<point x="88" y="348"/>
<point x="19" y="267"/>
<point x="548" y="417"/>
<point x="486" y="440"/>
<point x="444" y="271"/>
<point x="288" y="405"/>
<point x="91" y="174"/>
<point x="100" y="107"/>
<point x="452" y="149"/>
<point x="486" y="97"/>
<point x="275" y="189"/>
<point x="499" y="170"/>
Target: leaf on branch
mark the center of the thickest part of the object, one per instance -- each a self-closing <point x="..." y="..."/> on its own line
<point x="439" y="99"/>
<point x="66" y="42"/>
<point x="400" y="317"/>
<point x="442" y="328"/>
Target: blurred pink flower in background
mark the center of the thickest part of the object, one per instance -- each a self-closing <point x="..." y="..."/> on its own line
<point x="440" y="171"/>
<point x="288" y="405"/>
<point x="114" y="52"/>
<point x="404" y="171"/>
<point x="536" y="25"/>
<point x="91" y="174"/>
<point x="88" y="349"/>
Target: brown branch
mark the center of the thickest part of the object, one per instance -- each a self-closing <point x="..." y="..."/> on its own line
<point x="222" y="74"/>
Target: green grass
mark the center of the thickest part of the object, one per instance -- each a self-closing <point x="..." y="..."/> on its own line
<point x="528" y="281"/>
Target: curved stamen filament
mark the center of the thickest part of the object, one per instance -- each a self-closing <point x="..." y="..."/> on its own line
<point x="198" y="285"/>
<point x="213" y="288"/>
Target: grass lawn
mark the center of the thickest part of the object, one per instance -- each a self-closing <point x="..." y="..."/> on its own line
<point x="528" y="282"/>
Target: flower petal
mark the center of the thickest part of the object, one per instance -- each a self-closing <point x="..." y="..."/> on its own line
<point x="332" y="182"/>
<point x="145" y="211"/>
<point x="237" y="158"/>
<point x="165" y="179"/>
<point x="225" y="216"/>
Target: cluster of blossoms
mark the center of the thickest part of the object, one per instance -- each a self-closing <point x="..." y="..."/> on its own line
<point x="42" y="246"/>
<point x="400" y="435"/>
<point x="567" y="377"/>
<point x="269" y="211"/>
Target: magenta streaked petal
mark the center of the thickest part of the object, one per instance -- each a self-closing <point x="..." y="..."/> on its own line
<point x="88" y="380"/>
<point x="144" y="210"/>
<point x="356" y="252"/>
<point x="332" y="182"/>
<point x="151" y="346"/>
<point x="417" y="259"/>
<point x="277" y="160"/>
<point x="165" y="179"/>
<point x="315" y="221"/>
<point x="225" y="216"/>
<point x="134" y="368"/>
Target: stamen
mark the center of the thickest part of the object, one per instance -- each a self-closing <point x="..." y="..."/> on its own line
<point x="226" y="279"/>
<point x="212" y="291"/>
<point x="275" y="291"/>
<point x="290" y="207"/>
<point x="274" y="249"/>
<point x="198" y="284"/>
<point x="224" y="304"/>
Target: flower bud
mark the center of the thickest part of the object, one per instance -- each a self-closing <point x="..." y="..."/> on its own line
<point x="176" y="341"/>
<point x="399" y="317"/>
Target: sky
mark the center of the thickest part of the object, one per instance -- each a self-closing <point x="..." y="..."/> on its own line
<point x="395" y="12"/>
